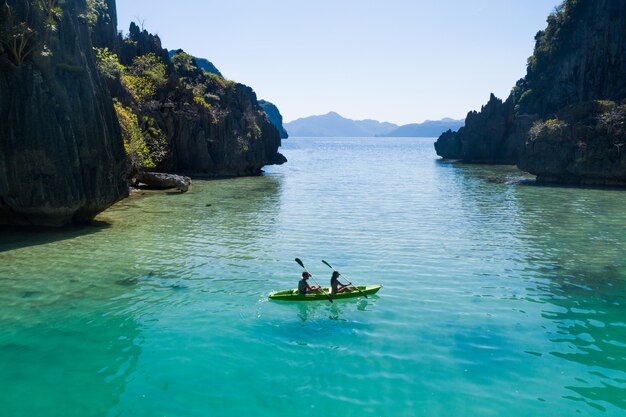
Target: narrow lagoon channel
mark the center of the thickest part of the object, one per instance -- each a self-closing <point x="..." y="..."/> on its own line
<point x="500" y="297"/>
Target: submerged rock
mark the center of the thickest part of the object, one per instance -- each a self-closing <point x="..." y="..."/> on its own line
<point x="164" y="181"/>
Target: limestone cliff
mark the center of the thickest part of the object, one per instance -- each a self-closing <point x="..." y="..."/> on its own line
<point x="578" y="64"/>
<point x="275" y="117"/>
<point x="208" y="125"/>
<point x="62" y="158"/>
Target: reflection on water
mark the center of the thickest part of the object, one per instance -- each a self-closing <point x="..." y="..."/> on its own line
<point x="312" y="310"/>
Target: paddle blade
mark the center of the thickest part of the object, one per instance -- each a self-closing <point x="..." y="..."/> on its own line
<point x="300" y="263"/>
<point x="327" y="264"/>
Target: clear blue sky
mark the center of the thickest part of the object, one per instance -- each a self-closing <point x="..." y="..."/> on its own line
<point x="401" y="61"/>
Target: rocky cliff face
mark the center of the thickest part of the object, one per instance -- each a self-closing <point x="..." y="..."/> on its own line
<point x="275" y="117"/>
<point x="582" y="145"/>
<point x="579" y="58"/>
<point x="485" y="136"/>
<point x="211" y="126"/>
<point x="62" y="158"/>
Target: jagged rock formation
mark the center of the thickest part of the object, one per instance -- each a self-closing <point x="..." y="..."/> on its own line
<point x="579" y="59"/>
<point x="62" y="158"/>
<point x="211" y="126"/>
<point x="275" y="117"/>
<point x="486" y="136"/>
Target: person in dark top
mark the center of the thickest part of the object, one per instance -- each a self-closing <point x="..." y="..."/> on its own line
<point x="336" y="286"/>
<point x="304" y="287"/>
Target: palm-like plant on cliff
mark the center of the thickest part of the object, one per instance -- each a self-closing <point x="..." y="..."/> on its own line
<point x="24" y="31"/>
<point x="16" y="37"/>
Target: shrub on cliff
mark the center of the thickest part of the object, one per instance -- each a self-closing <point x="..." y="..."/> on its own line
<point x="584" y="121"/>
<point x="145" y="147"/>
<point x="109" y="64"/>
<point x="146" y="75"/>
<point x="95" y="10"/>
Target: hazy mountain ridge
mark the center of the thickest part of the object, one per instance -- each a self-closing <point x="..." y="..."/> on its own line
<point x="429" y="128"/>
<point x="333" y="124"/>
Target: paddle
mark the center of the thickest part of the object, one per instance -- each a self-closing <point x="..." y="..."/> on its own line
<point x="321" y="289"/>
<point x="357" y="288"/>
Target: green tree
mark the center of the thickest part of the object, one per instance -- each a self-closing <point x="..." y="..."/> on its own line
<point x="145" y="76"/>
<point x="109" y="64"/>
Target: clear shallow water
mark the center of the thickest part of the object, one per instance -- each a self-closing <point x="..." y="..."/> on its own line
<point x="500" y="298"/>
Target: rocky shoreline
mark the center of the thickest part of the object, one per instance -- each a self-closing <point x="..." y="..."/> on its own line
<point x="85" y="110"/>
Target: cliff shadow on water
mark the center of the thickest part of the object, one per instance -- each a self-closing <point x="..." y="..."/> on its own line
<point x="16" y="237"/>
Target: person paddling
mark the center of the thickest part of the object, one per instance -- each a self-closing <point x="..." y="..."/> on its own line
<point x="336" y="286"/>
<point x="303" y="285"/>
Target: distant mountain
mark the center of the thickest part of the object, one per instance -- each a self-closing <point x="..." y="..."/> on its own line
<point x="275" y="117"/>
<point x="430" y="128"/>
<point x="204" y="64"/>
<point x="334" y="125"/>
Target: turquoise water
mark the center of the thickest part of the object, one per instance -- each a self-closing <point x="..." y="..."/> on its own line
<point x="500" y="298"/>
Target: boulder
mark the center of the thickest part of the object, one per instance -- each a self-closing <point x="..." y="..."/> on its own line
<point x="161" y="180"/>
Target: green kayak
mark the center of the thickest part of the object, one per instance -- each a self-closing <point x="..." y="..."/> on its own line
<point x="292" y="295"/>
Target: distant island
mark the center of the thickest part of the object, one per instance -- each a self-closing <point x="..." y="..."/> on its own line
<point x="427" y="129"/>
<point x="333" y="124"/>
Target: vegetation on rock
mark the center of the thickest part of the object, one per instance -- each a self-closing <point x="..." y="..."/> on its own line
<point x="146" y="146"/>
<point x="177" y="117"/>
<point x="575" y="79"/>
<point x="144" y="77"/>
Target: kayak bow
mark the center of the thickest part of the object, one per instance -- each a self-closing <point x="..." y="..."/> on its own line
<point x="293" y="295"/>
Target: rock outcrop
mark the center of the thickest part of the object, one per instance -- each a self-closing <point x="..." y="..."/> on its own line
<point x="579" y="58"/>
<point x="485" y="136"/>
<point x="275" y="117"/>
<point x="62" y="158"/>
<point x="210" y="126"/>
<point x="583" y="145"/>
